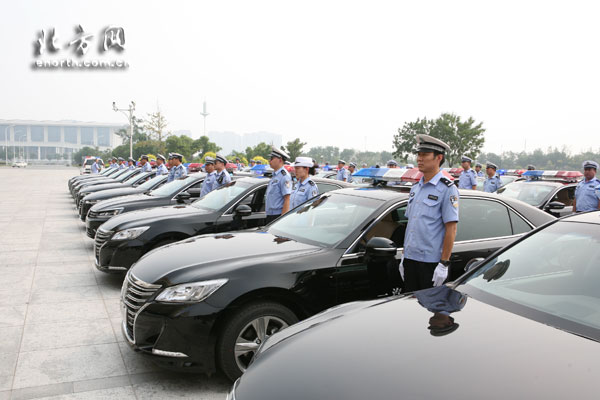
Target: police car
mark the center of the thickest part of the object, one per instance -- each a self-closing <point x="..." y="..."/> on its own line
<point x="105" y="173"/>
<point x="132" y="181"/>
<point x="179" y="191"/>
<point x="209" y="301"/>
<point x="551" y="191"/>
<point x="92" y="198"/>
<point x="238" y="205"/>
<point x="120" y="176"/>
<point x="521" y="325"/>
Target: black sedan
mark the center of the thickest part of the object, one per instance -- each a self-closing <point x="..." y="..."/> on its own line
<point x="528" y="328"/>
<point x="133" y="181"/>
<point x="556" y="198"/>
<point x="104" y="173"/>
<point x="93" y="198"/>
<point x="239" y="205"/>
<point x="209" y="301"/>
<point x="119" y="177"/>
<point x="179" y="191"/>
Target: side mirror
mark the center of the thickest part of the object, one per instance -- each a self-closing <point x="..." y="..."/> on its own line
<point x="379" y="247"/>
<point x="555" y="205"/>
<point x="183" y="196"/>
<point x="473" y="263"/>
<point x="243" y="210"/>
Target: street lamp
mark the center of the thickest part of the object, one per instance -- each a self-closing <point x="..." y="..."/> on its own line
<point x="6" y="143"/>
<point x="128" y="112"/>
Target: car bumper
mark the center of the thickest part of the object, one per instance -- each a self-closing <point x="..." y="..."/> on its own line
<point x="83" y="210"/>
<point x="118" y="255"/>
<point x="92" y="225"/>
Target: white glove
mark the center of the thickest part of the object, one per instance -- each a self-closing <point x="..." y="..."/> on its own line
<point x="401" y="267"/>
<point x="440" y="274"/>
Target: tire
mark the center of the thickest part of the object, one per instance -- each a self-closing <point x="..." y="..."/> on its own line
<point x="241" y="327"/>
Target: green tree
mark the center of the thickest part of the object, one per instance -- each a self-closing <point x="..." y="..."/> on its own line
<point x="85" y="151"/>
<point x="146" y="147"/>
<point x="262" y="149"/>
<point x="183" y="145"/>
<point x="156" y="128"/>
<point x="204" y="145"/>
<point x="294" y="148"/>
<point x="463" y="137"/>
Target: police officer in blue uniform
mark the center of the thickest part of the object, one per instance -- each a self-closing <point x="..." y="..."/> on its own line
<point x="209" y="182"/>
<point x="114" y="163"/>
<point x="280" y="186"/>
<point x="222" y="177"/>
<point x="178" y="170"/>
<point x="492" y="182"/>
<point x="432" y="214"/>
<point x="96" y="166"/>
<point x="130" y="163"/>
<point x="305" y="188"/>
<point x="342" y="174"/>
<point x="393" y="164"/>
<point x="146" y="167"/>
<point x="122" y="163"/>
<point x="161" y="168"/>
<point x="238" y="164"/>
<point x="468" y="178"/>
<point x="478" y="170"/>
<point x="587" y="193"/>
<point x="351" y="170"/>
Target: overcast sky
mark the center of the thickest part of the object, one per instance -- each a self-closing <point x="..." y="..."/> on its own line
<point x="330" y="72"/>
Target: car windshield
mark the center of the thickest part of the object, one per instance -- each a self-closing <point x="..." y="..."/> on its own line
<point x="555" y="272"/>
<point x="529" y="192"/>
<point x="507" y="179"/>
<point x="325" y="221"/>
<point x="120" y="173"/>
<point x="218" y="198"/>
<point x="149" y="184"/>
<point x="172" y="187"/>
<point x="126" y="175"/>
<point x="324" y="174"/>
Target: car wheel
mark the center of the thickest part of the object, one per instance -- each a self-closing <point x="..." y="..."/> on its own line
<point x="244" y="332"/>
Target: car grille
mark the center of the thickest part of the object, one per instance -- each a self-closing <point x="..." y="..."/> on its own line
<point x="101" y="238"/>
<point x="92" y="214"/>
<point x="134" y="294"/>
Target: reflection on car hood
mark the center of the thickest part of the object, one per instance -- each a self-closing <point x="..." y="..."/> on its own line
<point x="119" y="201"/>
<point x="385" y="350"/>
<point x="214" y="256"/>
<point x="110" y="193"/>
<point x="150" y="215"/>
<point x="104" y="186"/>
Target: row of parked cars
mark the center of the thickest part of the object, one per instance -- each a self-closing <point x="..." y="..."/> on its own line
<point x="308" y="306"/>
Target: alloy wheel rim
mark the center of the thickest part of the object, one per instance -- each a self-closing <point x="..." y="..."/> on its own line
<point x="253" y="335"/>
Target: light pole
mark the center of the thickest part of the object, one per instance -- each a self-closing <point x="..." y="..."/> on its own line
<point x="204" y="114"/>
<point x="128" y="112"/>
<point x="6" y="143"/>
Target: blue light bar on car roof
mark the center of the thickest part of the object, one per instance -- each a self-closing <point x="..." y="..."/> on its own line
<point x="533" y="173"/>
<point x="370" y="172"/>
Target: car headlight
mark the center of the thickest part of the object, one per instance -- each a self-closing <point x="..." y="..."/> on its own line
<point x="128" y="234"/>
<point x="91" y="201"/>
<point x="111" y="213"/>
<point x="193" y="292"/>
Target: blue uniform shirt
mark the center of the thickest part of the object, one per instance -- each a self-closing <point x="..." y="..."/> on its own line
<point x="209" y="183"/>
<point x="467" y="179"/>
<point x="430" y="206"/>
<point x="492" y="184"/>
<point x="239" y="166"/>
<point x="587" y="195"/>
<point x="178" y="172"/>
<point x="162" y="170"/>
<point x="342" y="174"/>
<point x="113" y="166"/>
<point x="95" y="168"/>
<point x="147" y="167"/>
<point x="222" y="178"/>
<point x="122" y="166"/>
<point x="280" y="185"/>
<point x="131" y="167"/>
<point x="303" y="192"/>
<point x="480" y="173"/>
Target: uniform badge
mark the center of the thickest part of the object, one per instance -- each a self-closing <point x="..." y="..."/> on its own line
<point x="454" y="201"/>
<point x="432" y="197"/>
<point x="412" y="194"/>
<point x="314" y="193"/>
<point x="287" y="184"/>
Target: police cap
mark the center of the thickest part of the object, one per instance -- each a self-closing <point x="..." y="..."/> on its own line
<point x="170" y="156"/>
<point x="426" y="143"/>
<point x="177" y="155"/>
<point x="209" y="160"/>
<point x="341" y="162"/>
<point x="220" y="158"/>
<point x="531" y="167"/>
<point x="303" y="162"/>
<point x="275" y="152"/>
<point x="160" y="157"/>
<point x="131" y="159"/>
<point x="491" y="165"/>
<point x="114" y="159"/>
<point x="466" y="159"/>
<point x="352" y="165"/>
<point x="144" y="157"/>
<point x="478" y="165"/>
<point x="121" y="159"/>
<point x="590" y="164"/>
<point x="392" y="162"/>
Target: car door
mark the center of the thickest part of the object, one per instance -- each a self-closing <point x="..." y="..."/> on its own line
<point x="228" y="221"/>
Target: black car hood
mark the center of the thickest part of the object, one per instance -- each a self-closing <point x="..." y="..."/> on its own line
<point x="122" y="201"/>
<point x="151" y="216"/>
<point x="110" y="193"/>
<point x="104" y="186"/>
<point x="384" y="350"/>
<point x="214" y="256"/>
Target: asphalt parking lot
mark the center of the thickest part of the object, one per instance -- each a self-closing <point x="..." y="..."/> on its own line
<point x="59" y="316"/>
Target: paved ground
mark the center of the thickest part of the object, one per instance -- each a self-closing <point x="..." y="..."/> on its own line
<point x="59" y="317"/>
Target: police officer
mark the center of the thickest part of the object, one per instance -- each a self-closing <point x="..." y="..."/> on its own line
<point x="146" y="167"/>
<point x="130" y="163"/>
<point x="252" y="163"/>
<point x="432" y="214"/>
<point x="97" y="166"/>
<point x="122" y="163"/>
<point x="587" y="193"/>
<point x="393" y="164"/>
<point x="179" y="171"/>
<point x="468" y="178"/>
<point x="478" y="170"/>
<point x="342" y="174"/>
<point x="492" y="182"/>
<point x="114" y="163"/>
<point x="280" y="186"/>
<point x="529" y="177"/>
<point x="222" y="177"/>
<point x="161" y="169"/>
<point x="351" y="170"/>
<point x="209" y="182"/>
<point x="305" y="189"/>
<point x="238" y="164"/>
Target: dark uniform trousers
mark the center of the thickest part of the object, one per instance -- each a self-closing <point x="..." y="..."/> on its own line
<point x="271" y="218"/>
<point x="417" y="275"/>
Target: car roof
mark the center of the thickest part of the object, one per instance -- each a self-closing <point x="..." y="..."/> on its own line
<point x="257" y="180"/>
<point x="546" y="183"/>
<point x="592" y="217"/>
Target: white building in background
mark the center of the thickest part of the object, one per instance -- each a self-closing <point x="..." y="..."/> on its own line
<point x="54" y="140"/>
<point x="229" y="141"/>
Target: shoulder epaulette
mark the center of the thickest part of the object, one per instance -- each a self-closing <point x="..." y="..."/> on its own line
<point x="283" y="172"/>
<point x="446" y="181"/>
<point x="311" y="183"/>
